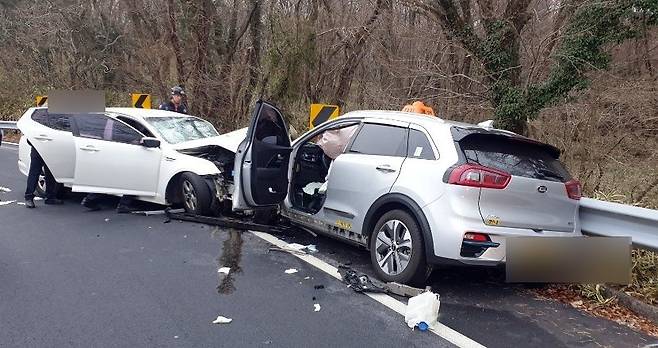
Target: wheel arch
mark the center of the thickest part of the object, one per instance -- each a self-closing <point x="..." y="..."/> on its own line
<point x="394" y="201"/>
<point x="171" y="195"/>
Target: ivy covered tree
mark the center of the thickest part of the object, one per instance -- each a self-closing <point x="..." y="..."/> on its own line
<point x="492" y="34"/>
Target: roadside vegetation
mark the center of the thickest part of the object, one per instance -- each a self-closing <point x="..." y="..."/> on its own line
<point x="579" y="74"/>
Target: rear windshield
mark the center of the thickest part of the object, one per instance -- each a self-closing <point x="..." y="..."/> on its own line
<point x="517" y="157"/>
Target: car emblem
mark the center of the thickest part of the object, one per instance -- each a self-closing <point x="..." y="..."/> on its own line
<point x="542" y="189"/>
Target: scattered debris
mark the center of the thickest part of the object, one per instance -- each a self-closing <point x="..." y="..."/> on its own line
<point x="20" y="203"/>
<point x="224" y="270"/>
<point x="157" y="212"/>
<point x="4" y="189"/>
<point x="303" y="248"/>
<point x="314" y="298"/>
<point x="286" y="250"/>
<point x="422" y="309"/>
<point x="107" y="219"/>
<point x="268" y="342"/>
<point x="222" y="320"/>
<point x="359" y="282"/>
<point x="7" y="202"/>
<point x="175" y="336"/>
<point x="318" y="287"/>
<point x="317" y="307"/>
<point x="403" y="290"/>
<point x="307" y="277"/>
<point x="185" y="236"/>
<point x="291" y="270"/>
<point x="38" y="199"/>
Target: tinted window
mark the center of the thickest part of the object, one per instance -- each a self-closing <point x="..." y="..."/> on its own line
<point x="60" y="122"/>
<point x="513" y="156"/>
<point x="270" y="127"/>
<point x="419" y="146"/>
<point x="376" y="139"/>
<point x="40" y="116"/>
<point x="101" y="127"/>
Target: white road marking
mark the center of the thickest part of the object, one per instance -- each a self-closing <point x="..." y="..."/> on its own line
<point x="441" y="330"/>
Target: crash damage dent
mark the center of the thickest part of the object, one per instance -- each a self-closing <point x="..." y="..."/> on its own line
<point x="221" y="184"/>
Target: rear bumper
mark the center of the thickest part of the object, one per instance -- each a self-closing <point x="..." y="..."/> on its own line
<point x="449" y="223"/>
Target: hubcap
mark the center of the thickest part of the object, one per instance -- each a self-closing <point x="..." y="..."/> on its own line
<point x="189" y="196"/>
<point x="393" y="247"/>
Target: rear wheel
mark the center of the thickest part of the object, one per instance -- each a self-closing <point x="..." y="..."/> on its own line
<point x="195" y="194"/>
<point x="396" y="249"/>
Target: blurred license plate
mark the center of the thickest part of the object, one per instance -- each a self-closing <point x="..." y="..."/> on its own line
<point x="568" y="260"/>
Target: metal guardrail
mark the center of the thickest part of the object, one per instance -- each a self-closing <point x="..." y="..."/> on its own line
<point x="8" y="125"/>
<point x="600" y="218"/>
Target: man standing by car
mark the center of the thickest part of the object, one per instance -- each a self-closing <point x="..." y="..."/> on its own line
<point x="36" y="165"/>
<point x="176" y="102"/>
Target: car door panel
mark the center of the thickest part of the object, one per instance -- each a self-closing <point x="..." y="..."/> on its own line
<point x="261" y="165"/>
<point x="113" y="167"/>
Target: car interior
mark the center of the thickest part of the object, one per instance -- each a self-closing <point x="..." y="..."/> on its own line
<point x="312" y="165"/>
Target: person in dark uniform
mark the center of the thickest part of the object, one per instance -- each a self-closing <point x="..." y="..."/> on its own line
<point x="176" y="102"/>
<point x="36" y="165"/>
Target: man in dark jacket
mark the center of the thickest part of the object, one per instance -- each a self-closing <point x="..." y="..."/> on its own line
<point x="176" y="102"/>
<point x="36" y="165"/>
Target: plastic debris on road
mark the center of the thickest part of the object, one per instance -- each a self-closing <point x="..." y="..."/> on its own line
<point x="224" y="270"/>
<point x="311" y="248"/>
<point x="107" y="219"/>
<point x="316" y="307"/>
<point x="291" y="270"/>
<point x="6" y="202"/>
<point x="423" y="308"/>
<point x="4" y="189"/>
<point x="20" y="203"/>
<point x="222" y="320"/>
<point x="38" y="199"/>
<point x="358" y="282"/>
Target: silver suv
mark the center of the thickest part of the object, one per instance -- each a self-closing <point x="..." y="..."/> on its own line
<point x="414" y="190"/>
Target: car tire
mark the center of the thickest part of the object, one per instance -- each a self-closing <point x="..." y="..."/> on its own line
<point x="62" y="191"/>
<point x="391" y="254"/>
<point x="195" y="195"/>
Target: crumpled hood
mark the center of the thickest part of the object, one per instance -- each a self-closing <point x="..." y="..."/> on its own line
<point x="229" y="141"/>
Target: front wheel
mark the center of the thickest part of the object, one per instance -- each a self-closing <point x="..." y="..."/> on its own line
<point x="396" y="249"/>
<point x="195" y="194"/>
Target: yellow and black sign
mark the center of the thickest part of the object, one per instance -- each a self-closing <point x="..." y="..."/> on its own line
<point x="141" y="101"/>
<point x="321" y="113"/>
<point x="41" y="100"/>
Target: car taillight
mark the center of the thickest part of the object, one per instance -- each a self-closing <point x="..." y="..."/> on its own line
<point x="479" y="176"/>
<point x="574" y="190"/>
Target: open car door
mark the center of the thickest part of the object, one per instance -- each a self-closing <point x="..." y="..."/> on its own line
<point x="261" y="162"/>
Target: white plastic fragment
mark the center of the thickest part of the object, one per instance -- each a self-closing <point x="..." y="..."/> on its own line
<point x="311" y="248"/>
<point x="20" y="203"/>
<point x="4" y="189"/>
<point x="6" y="202"/>
<point x="224" y="270"/>
<point x="107" y="219"/>
<point x="291" y="270"/>
<point x="222" y="320"/>
<point x="38" y="199"/>
<point x="422" y="308"/>
<point x="317" y="307"/>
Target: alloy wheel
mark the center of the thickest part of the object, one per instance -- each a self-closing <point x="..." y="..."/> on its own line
<point x="393" y="247"/>
<point x="189" y="196"/>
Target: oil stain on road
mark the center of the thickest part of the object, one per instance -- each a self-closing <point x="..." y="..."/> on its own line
<point x="230" y="257"/>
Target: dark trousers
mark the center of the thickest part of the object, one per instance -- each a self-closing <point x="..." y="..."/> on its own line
<point x="36" y="164"/>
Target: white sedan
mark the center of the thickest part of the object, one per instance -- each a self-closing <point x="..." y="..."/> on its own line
<point x="159" y="156"/>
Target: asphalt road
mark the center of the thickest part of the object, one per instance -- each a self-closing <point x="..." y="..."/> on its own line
<point x="74" y="278"/>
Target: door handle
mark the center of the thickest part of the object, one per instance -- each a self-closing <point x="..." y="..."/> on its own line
<point x="43" y="137"/>
<point x="385" y="168"/>
<point x="89" y="148"/>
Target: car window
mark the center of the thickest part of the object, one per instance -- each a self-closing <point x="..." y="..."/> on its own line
<point x="101" y="127"/>
<point x="516" y="157"/>
<point x="271" y="128"/>
<point x="40" y="116"/>
<point x="60" y="122"/>
<point x="179" y="129"/>
<point x="419" y="146"/>
<point x="136" y="124"/>
<point x="382" y="140"/>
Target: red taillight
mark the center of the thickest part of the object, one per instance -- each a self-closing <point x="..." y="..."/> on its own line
<point x="479" y="176"/>
<point x="476" y="237"/>
<point x="574" y="190"/>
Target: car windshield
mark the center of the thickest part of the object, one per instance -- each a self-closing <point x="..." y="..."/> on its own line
<point x="176" y="130"/>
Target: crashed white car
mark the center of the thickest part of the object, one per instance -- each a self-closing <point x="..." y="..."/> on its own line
<point x="159" y="156"/>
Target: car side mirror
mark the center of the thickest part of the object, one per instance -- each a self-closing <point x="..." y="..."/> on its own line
<point x="150" y="142"/>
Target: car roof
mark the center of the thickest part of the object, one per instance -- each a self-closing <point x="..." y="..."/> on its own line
<point x="137" y="113"/>
<point x="422" y="120"/>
